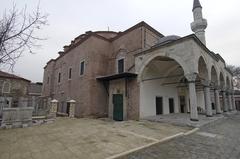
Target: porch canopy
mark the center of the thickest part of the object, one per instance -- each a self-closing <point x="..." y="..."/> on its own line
<point x="125" y="75"/>
<point x="117" y="76"/>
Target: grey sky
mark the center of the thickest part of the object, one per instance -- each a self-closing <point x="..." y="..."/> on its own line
<point x="70" y="18"/>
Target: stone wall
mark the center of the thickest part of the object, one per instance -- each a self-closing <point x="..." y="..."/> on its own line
<point x="16" y="87"/>
<point x="100" y="57"/>
<point x="17" y="117"/>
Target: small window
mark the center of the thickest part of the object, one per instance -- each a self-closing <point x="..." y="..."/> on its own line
<point x="70" y="73"/>
<point x="48" y="80"/>
<point x="6" y="87"/>
<point x="15" y="104"/>
<point x="59" y="77"/>
<point x="121" y="66"/>
<point x="82" y="68"/>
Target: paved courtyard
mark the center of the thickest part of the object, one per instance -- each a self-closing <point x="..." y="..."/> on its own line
<point x="183" y="119"/>
<point x="81" y="138"/>
<point x="213" y="141"/>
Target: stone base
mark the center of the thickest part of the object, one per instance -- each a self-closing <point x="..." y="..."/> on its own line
<point x="16" y="125"/>
<point x="5" y="126"/>
<point x="209" y="116"/>
<point x="196" y="120"/>
<point x="51" y="115"/>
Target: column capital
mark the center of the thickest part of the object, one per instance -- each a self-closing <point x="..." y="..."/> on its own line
<point x="228" y="91"/>
<point x="223" y="89"/>
<point x="191" y="77"/>
<point x="217" y="87"/>
<point x="206" y="83"/>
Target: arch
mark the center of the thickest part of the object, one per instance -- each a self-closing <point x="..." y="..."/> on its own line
<point x="232" y="86"/>
<point x="6" y="87"/>
<point x="214" y="78"/>
<point x="202" y="69"/>
<point x="162" y="66"/>
<point x="121" y="53"/>
<point x="174" y="57"/>
<point x="221" y="80"/>
<point x="162" y="78"/>
<point x="228" y="84"/>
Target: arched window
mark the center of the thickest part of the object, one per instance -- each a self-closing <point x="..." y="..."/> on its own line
<point x="6" y="87"/>
<point x="120" y="61"/>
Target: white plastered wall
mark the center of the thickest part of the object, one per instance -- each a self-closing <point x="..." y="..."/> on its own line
<point x="151" y="89"/>
<point x="200" y="99"/>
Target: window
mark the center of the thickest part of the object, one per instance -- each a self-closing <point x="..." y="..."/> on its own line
<point x="47" y="80"/>
<point x="121" y="66"/>
<point x="70" y="73"/>
<point x="15" y="104"/>
<point x="6" y="87"/>
<point x="59" y="77"/>
<point x="82" y="68"/>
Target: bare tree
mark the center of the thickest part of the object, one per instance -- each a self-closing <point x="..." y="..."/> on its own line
<point x="236" y="75"/>
<point x="18" y="34"/>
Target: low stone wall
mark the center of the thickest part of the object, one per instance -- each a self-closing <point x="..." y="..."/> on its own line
<point x="17" y="117"/>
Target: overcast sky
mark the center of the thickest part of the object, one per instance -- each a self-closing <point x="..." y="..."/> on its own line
<point x="70" y="18"/>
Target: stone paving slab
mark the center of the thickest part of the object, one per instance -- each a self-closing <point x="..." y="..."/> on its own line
<point x="182" y="119"/>
<point x="81" y="138"/>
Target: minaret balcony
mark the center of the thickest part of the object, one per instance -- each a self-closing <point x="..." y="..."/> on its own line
<point x="200" y="24"/>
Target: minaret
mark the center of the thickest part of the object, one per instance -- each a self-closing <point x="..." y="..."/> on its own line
<point x="199" y="24"/>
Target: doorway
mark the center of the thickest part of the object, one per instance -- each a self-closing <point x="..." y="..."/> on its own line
<point x="68" y="108"/>
<point x="159" y="105"/>
<point x="171" y="105"/>
<point x="182" y="104"/>
<point x="118" y="107"/>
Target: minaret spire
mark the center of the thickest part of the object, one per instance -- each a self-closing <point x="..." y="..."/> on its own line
<point x="199" y="24"/>
<point x="196" y="4"/>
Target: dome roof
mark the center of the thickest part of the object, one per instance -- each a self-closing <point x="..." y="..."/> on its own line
<point x="169" y="38"/>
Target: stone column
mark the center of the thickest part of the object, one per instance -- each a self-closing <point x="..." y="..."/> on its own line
<point x="217" y="101"/>
<point x="207" y="98"/>
<point x="72" y="108"/>
<point x="233" y="101"/>
<point x="192" y="95"/>
<point x="187" y="102"/>
<point x="230" y="101"/>
<point x="225" y="108"/>
<point x="53" y="108"/>
<point x="34" y="105"/>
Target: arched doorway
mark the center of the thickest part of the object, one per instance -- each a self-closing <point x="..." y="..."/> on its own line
<point x="214" y="78"/>
<point x="161" y="85"/>
<point x="214" y="92"/>
<point x="223" y="93"/>
<point x="203" y="88"/>
<point x="222" y="82"/>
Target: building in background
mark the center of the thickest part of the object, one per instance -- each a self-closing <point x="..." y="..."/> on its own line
<point x="13" y="89"/>
<point x="17" y="92"/>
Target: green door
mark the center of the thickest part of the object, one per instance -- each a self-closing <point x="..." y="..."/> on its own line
<point x="118" y="107"/>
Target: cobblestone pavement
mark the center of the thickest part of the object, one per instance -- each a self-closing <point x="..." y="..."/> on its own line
<point x="216" y="141"/>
